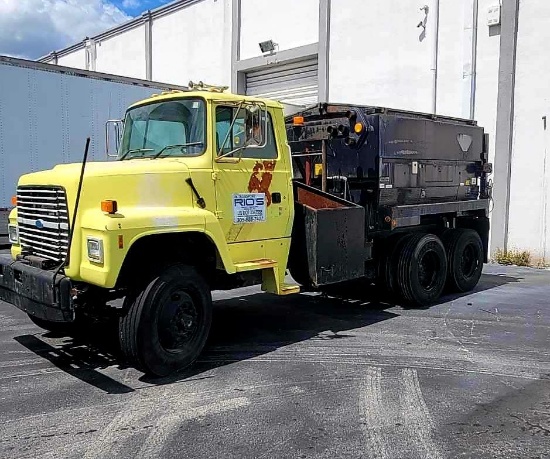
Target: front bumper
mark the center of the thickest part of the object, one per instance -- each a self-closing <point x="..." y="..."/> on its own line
<point x="34" y="291"/>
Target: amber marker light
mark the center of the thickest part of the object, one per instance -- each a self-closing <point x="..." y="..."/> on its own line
<point x="109" y="207"/>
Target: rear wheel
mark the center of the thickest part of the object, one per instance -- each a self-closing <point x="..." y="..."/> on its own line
<point x="465" y="259"/>
<point x="388" y="266"/>
<point x="167" y="323"/>
<point x="422" y="269"/>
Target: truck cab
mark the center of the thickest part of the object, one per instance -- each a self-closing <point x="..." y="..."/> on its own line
<point x="201" y="184"/>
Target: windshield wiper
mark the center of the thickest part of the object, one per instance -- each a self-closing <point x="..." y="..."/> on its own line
<point x="181" y="145"/>
<point x="135" y="150"/>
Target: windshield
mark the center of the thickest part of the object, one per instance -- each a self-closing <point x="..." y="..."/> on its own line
<point x="171" y="128"/>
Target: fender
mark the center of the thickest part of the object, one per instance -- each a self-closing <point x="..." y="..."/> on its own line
<point x="119" y="232"/>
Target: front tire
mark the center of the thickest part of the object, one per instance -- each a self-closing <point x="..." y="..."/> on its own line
<point x="167" y="323"/>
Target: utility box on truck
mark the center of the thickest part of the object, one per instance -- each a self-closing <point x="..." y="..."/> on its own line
<point x="47" y="111"/>
<point x="405" y="170"/>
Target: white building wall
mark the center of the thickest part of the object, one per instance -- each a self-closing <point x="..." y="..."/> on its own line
<point x="289" y="23"/>
<point x="193" y="43"/>
<point x="529" y="222"/>
<point x="46" y="116"/>
<point x="76" y="59"/>
<point x="488" y="52"/>
<point x="453" y="56"/>
<point x="377" y="56"/>
<point x="122" y="54"/>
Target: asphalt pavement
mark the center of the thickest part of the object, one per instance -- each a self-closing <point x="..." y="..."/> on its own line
<point x="303" y="376"/>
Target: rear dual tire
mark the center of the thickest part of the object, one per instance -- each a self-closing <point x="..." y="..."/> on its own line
<point x="465" y="256"/>
<point x="417" y="267"/>
<point x="421" y="269"/>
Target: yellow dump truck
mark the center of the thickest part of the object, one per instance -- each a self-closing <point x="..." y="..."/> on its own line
<point x="212" y="190"/>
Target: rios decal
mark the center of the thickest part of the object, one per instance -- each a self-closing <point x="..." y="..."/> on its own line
<point x="249" y="208"/>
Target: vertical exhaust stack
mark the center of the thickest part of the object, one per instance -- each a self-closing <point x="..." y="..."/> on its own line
<point x="77" y="201"/>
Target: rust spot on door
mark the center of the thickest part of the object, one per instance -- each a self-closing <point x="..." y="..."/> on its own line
<point x="261" y="178"/>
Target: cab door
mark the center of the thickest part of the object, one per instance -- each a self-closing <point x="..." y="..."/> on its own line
<point x="253" y="185"/>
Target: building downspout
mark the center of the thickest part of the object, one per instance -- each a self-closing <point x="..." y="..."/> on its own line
<point x="473" y="78"/>
<point x="545" y="257"/>
<point x="148" y="26"/>
<point x="469" y="67"/>
<point x="435" y="56"/>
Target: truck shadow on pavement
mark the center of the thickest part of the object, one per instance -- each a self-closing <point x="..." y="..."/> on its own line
<point x="358" y="291"/>
<point x="251" y="326"/>
<point x="243" y="327"/>
<point x="82" y="356"/>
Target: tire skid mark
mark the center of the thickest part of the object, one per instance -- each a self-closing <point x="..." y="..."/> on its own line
<point x="113" y="435"/>
<point x="534" y="376"/>
<point x="31" y="421"/>
<point x="21" y="362"/>
<point x="46" y="371"/>
<point x="83" y="431"/>
<point x="417" y="418"/>
<point x="372" y="412"/>
<point x="169" y="424"/>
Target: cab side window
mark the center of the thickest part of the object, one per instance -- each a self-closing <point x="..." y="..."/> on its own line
<point x="236" y="136"/>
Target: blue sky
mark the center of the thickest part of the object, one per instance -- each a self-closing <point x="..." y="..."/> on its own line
<point x="136" y="7"/>
<point x="33" y="28"/>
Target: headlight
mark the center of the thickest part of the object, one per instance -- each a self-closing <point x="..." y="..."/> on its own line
<point x="95" y="250"/>
<point x="13" y="234"/>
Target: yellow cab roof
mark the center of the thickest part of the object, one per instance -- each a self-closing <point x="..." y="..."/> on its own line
<point x="205" y="94"/>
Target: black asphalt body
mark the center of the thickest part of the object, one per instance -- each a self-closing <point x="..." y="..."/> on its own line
<point x="303" y="376"/>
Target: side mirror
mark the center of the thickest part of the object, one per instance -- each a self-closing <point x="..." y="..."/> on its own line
<point x="113" y="137"/>
<point x="255" y="126"/>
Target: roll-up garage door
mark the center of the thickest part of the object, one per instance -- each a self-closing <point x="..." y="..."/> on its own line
<point x="294" y="83"/>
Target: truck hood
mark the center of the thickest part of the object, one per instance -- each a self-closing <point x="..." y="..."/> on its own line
<point x="71" y="172"/>
<point x="139" y="182"/>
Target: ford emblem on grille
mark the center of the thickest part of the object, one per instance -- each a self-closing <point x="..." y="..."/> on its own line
<point x="39" y="224"/>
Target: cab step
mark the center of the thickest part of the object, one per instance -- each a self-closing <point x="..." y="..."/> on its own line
<point x="253" y="265"/>
<point x="289" y="289"/>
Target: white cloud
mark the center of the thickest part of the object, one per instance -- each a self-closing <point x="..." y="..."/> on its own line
<point x="33" y="28"/>
<point x="130" y="4"/>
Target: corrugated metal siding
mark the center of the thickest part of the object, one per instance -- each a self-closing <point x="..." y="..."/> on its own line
<point x="46" y="113"/>
<point x="295" y="83"/>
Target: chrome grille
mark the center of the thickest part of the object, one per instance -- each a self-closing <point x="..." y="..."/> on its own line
<point x="43" y="221"/>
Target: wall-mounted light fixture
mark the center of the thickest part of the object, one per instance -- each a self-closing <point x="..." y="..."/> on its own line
<point x="268" y="46"/>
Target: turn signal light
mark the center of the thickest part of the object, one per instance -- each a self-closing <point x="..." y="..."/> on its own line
<point x="14" y="201"/>
<point x="298" y="121"/>
<point x="109" y="206"/>
<point x="358" y="128"/>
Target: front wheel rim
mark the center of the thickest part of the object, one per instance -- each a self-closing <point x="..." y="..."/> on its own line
<point x="178" y="321"/>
